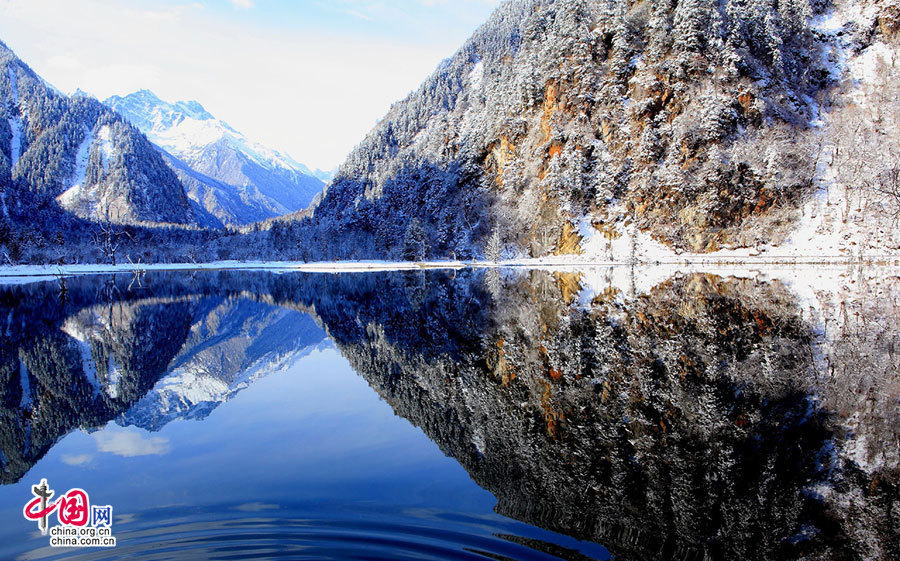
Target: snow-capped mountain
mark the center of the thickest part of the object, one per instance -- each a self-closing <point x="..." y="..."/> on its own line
<point x="234" y="178"/>
<point x="231" y="345"/>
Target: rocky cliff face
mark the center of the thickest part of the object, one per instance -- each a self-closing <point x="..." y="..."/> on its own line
<point x="78" y="154"/>
<point x="701" y="125"/>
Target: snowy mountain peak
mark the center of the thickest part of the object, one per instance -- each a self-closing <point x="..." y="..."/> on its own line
<point x="184" y="128"/>
<point x="259" y="182"/>
<point x="194" y="110"/>
<point x="156" y="117"/>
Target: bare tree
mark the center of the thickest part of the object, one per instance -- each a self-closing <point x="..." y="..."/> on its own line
<point x="888" y="185"/>
<point x="63" y="284"/>
<point x="865" y="146"/>
<point x="109" y="236"/>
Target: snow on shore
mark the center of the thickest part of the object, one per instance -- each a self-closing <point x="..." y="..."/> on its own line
<point x="809" y="277"/>
<point x="730" y="261"/>
<point x="23" y="274"/>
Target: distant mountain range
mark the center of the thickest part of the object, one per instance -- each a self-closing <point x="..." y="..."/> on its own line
<point x="237" y="180"/>
<point x="68" y="163"/>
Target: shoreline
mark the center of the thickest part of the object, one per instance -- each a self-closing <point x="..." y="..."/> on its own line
<point x="16" y="274"/>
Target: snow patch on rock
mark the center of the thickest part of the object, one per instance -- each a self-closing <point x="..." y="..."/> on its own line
<point x="25" y="381"/>
<point x="16" y="121"/>
<point x="113" y="377"/>
<point x="73" y="329"/>
<point x="15" y="144"/>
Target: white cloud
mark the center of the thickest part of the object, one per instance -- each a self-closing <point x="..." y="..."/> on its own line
<point x="360" y="15"/>
<point x="64" y="62"/>
<point x="130" y="443"/>
<point x="242" y="4"/>
<point x="77" y="460"/>
<point x="312" y="92"/>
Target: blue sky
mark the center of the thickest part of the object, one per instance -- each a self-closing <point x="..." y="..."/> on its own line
<point x="308" y="77"/>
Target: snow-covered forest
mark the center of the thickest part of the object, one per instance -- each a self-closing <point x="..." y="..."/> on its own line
<point x="700" y="125"/>
<point x="612" y="129"/>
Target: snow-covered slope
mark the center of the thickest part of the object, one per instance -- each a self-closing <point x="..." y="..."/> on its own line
<point x="78" y="153"/>
<point x="268" y="183"/>
<point x="231" y="345"/>
<point x="635" y="131"/>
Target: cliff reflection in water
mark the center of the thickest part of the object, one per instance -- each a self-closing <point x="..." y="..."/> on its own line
<point x="707" y="417"/>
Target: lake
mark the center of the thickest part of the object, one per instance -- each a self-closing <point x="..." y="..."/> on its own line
<point x="466" y="414"/>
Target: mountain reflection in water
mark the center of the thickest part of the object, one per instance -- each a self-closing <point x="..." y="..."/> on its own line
<point x="705" y="418"/>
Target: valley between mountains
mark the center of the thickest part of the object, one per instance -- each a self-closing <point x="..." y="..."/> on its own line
<point x="579" y="132"/>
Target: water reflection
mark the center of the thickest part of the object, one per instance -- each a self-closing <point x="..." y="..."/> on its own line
<point x="707" y="417"/>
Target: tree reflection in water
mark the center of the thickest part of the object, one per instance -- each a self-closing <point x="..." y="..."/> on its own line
<point x="708" y="417"/>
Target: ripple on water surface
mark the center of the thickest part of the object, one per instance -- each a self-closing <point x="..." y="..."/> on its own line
<point x="269" y="531"/>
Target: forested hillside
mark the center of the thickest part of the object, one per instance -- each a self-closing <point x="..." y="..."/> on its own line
<point x="79" y="153"/>
<point x="561" y="125"/>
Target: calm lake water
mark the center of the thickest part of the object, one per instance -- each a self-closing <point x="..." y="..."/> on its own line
<point x="480" y="414"/>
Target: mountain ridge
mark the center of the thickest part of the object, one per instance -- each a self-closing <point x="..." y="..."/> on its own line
<point x="252" y="182"/>
<point x="624" y="131"/>
<point x="80" y="154"/>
